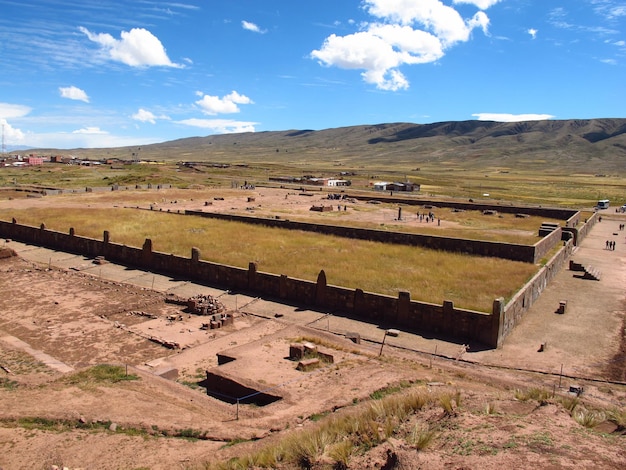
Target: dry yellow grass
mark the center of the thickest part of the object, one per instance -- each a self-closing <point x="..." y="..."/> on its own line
<point x="433" y="276"/>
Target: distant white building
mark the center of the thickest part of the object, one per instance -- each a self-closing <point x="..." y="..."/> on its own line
<point x="381" y="185"/>
<point x="335" y="183"/>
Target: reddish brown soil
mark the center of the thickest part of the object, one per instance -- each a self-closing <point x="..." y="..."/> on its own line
<point x="55" y="322"/>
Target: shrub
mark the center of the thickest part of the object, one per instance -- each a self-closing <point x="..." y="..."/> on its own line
<point x="421" y="437"/>
<point x="588" y="418"/>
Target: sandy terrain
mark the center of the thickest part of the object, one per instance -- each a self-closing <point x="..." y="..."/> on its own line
<point x="60" y="314"/>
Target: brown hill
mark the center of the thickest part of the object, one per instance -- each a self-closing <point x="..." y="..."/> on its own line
<point x="592" y="145"/>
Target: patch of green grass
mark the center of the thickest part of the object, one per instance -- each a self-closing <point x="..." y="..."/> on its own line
<point x="8" y="384"/>
<point x="318" y="416"/>
<point x="188" y="433"/>
<point x="234" y="442"/>
<point x="191" y="384"/>
<point x="389" y="390"/>
<point x="539" y="439"/>
<point x="100" y="374"/>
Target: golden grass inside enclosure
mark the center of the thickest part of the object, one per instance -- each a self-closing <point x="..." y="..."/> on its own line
<point x="471" y="282"/>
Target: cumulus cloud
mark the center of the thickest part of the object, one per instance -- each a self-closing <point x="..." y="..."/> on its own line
<point x="73" y="93"/>
<point x="252" y="27"/>
<point x="143" y="115"/>
<point x="220" y="126"/>
<point x="225" y="105"/>
<point x="136" y="48"/>
<point x="482" y="4"/>
<point x="10" y="133"/>
<point x="404" y="33"/>
<point x="8" y="110"/>
<point x="503" y="117"/>
<point x="532" y="32"/>
<point x="90" y="131"/>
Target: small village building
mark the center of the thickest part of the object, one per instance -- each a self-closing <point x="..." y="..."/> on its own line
<point x="396" y="186"/>
<point x="34" y="160"/>
<point x="317" y="181"/>
<point x="381" y="185"/>
<point x="335" y="183"/>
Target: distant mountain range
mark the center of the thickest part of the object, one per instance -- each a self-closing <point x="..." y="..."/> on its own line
<point x="589" y="145"/>
<point x="17" y="148"/>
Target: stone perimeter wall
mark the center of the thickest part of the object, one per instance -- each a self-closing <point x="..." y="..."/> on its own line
<point x="510" y="251"/>
<point x="511" y="313"/>
<point x="445" y="321"/>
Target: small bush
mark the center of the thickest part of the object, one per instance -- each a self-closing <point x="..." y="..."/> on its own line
<point x="618" y="417"/>
<point x="539" y="394"/>
<point x="588" y="418"/>
<point x="490" y="408"/>
<point x="445" y="400"/>
<point x="341" y="453"/>
<point x="7" y="384"/>
<point x="569" y="403"/>
<point x="421" y="437"/>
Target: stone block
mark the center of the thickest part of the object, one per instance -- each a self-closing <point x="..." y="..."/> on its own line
<point x="308" y="364"/>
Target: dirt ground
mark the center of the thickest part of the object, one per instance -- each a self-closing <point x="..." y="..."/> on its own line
<point x="61" y="313"/>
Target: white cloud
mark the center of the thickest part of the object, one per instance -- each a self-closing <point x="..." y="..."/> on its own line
<point x="73" y="93"/>
<point x="84" y="138"/>
<point x="225" y="105"/>
<point x="136" y="48"/>
<point x="532" y="32"/>
<point x="144" y="115"/>
<point x="252" y="27"/>
<point x="503" y="117"/>
<point x="482" y="4"/>
<point x="90" y="131"/>
<point x="10" y="133"/>
<point x="220" y="126"/>
<point x="405" y="33"/>
<point x="432" y="15"/>
<point x="8" y="110"/>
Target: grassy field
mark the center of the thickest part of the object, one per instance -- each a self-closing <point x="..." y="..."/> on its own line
<point x="471" y="282"/>
<point x="576" y="189"/>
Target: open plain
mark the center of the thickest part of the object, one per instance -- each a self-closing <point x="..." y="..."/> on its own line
<point x="62" y="315"/>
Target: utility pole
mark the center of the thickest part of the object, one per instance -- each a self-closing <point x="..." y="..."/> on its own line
<point x="4" y="147"/>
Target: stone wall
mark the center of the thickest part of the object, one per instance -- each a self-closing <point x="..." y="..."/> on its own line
<point x="511" y="251"/>
<point x="445" y="321"/>
<point x="441" y="320"/>
<point x="549" y="212"/>
<point x="512" y="313"/>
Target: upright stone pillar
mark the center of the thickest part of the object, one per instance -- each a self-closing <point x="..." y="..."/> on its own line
<point x="282" y="287"/>
<point x="146" y="254"/>
<point x="404" y="308"/>
<point x="498" y="332"/>
<point x="320" y="289"/>
<point x="252" y="276"/>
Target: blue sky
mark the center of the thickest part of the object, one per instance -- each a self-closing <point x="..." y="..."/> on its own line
<point x="102" y="74"/>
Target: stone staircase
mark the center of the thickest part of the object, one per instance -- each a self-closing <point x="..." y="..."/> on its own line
<point x="592" y="273"/>
<point x="589" y="271"/>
